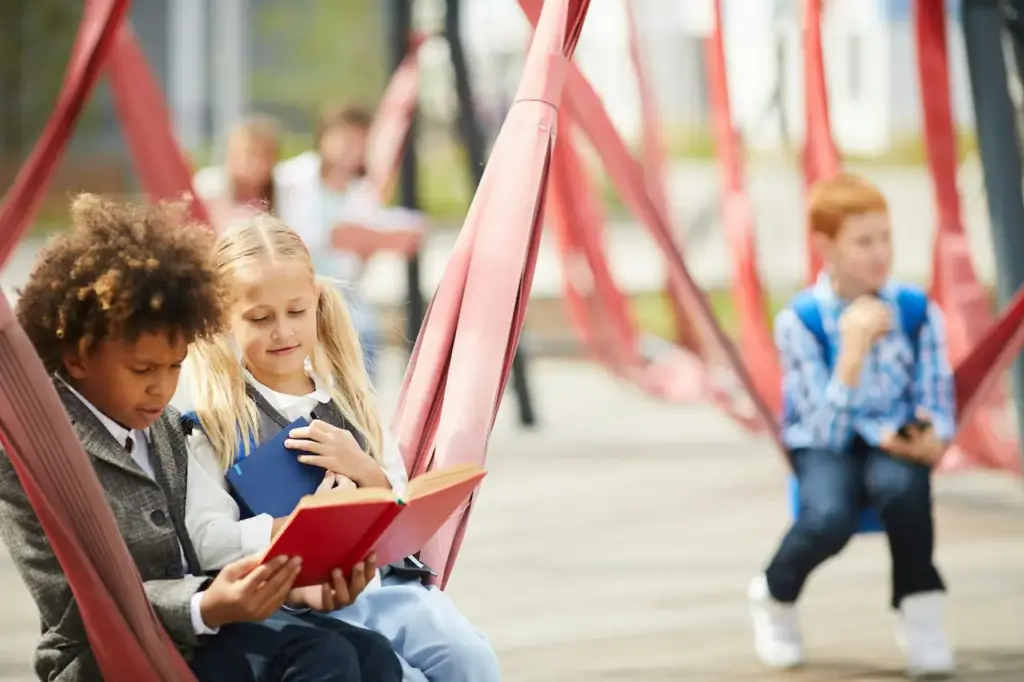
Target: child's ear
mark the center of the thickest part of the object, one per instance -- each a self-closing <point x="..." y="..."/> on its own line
<point x="823" y="245"/>
<point x="74" y="365"/>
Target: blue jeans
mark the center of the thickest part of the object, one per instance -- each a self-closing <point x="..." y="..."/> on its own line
<point x="834" y="486"/>
<point x="434" y="641"/>
<point x="295" y="648"/>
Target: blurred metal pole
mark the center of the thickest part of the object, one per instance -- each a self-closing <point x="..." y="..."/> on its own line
<point x="472" y="134"/>
<point x="399" y="29"/>
<point x="186" y="29"/>
<point x="999" y="145"/>
<point x="230" y="56"/>
<point x="1014" y="17"/>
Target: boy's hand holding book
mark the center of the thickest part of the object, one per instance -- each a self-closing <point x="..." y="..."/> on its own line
<point x="336" y="450"/>
<point x="247" y="592"/>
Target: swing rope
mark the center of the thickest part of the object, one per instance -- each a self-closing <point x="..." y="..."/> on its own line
<point x="717" y="372"/>
<point x="127" y="640"/>
<point x="462" y="358"/>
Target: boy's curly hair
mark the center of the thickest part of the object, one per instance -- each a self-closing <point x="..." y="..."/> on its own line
<point x="125" y="269"/>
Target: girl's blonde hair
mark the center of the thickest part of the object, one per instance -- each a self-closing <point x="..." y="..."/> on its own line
<point x="228" y="416"/>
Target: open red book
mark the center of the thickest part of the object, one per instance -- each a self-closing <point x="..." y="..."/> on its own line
<point x="340" y="528"/>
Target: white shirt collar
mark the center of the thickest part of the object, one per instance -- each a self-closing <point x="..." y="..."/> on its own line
<point x="281" y="401"/>
<point x="119" y="432"/>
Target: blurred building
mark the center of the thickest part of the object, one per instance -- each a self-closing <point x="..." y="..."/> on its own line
<point x="870" y="60"/>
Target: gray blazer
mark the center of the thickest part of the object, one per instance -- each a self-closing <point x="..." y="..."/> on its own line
<point x="147" y="517"/>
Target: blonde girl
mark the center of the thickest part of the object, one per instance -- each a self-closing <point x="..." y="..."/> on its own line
<point x="292" y="351"/>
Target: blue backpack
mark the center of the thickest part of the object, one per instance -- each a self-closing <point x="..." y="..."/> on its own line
<point x="911" y="301"/>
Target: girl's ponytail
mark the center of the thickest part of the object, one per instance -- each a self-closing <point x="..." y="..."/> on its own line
<point x="227" y="416"/>
<point x="339" y="355"/>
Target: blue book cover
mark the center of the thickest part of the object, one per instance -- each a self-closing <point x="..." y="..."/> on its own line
<point x="271" y="480"/>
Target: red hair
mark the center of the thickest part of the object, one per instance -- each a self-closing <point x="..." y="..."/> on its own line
<point x="830" y="202"/>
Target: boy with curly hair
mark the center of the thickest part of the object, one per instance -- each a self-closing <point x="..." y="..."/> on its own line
<point x="111" y="309"/>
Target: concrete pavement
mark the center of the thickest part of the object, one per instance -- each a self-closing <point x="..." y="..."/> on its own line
<point x="615" y="543"/>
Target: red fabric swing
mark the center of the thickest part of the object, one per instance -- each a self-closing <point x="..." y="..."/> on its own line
<point x="600" y="311"/>
<point x="389" y="131"/>
<point x="981" y="346"/>
<point x="127" y="639"/>
<point x="670" y="372"/>
<point x="462" y="357"/>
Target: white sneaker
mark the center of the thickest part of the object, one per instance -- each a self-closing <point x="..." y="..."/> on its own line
<point x="777" y="639"/>
<point x="922" y="637"/>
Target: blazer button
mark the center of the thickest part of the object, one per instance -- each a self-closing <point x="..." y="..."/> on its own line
<point x="158" y="517"/>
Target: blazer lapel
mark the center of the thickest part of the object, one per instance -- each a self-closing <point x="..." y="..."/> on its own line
<point x="168" y="453"/>
<point x="95" y="438"/>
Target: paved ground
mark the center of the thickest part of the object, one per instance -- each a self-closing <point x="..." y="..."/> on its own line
<point x="615" y="544"/>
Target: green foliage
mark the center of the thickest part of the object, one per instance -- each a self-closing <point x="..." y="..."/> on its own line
<point x="35" y="43"/>
<point x="653" y="313"/>
<point x="322" y="50"/>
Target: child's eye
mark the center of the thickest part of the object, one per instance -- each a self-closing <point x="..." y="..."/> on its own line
<point x="258" y="320"/>
<point x="142" y="370"/>
<point x="296" y="313"/>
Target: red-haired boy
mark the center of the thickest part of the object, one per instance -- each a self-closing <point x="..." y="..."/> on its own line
<point x="868" y="396"/>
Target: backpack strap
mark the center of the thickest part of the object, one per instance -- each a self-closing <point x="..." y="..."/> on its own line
<point x="913" y="304"/>
<point x="190" y="423"/>
<point x="806" y="308"/>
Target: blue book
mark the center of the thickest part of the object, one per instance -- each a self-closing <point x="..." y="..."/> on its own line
<point x="271" y="480"/>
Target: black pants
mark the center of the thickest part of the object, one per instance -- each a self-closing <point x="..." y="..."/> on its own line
<point x="296" y="648"/>
<point x="833" y="489"/>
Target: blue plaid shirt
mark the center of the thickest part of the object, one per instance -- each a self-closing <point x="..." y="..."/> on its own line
<point x="824" y="413"/>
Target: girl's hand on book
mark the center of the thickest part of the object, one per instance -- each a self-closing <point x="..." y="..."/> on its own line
<point x="337" y="594"/>
<point x="333" y="481"/>
<point x="334" y="449"/>
<point x="341" y="592"/>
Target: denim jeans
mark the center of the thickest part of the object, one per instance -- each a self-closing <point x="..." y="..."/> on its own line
<point x="296" y="648"/>
<point x="834" y="486"/>
<point x="428" y="632"/>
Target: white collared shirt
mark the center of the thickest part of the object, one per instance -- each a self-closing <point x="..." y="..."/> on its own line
<point x="140" y="455"/>
<point x="212" y="515"/>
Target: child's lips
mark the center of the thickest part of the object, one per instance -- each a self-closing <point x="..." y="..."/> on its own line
<point x="283" y="351"/>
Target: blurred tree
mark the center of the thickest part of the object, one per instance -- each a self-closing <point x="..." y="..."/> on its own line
<point x="311" y="51"/>
<point x="35" y="43"/>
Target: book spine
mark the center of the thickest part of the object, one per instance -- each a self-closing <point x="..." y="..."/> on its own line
<point x="372" y="535"/>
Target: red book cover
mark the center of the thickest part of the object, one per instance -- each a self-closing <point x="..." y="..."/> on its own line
<point x="339" y="529"/>
<point x="421" y="517"/>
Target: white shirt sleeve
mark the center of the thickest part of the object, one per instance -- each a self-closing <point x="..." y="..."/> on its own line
<point x="392" y="463"/>
<point x="212" y="515"/>
<point x="198" y="625"/>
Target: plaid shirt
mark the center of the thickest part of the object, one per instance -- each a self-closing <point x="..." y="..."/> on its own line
<point x="823" y="413"/>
